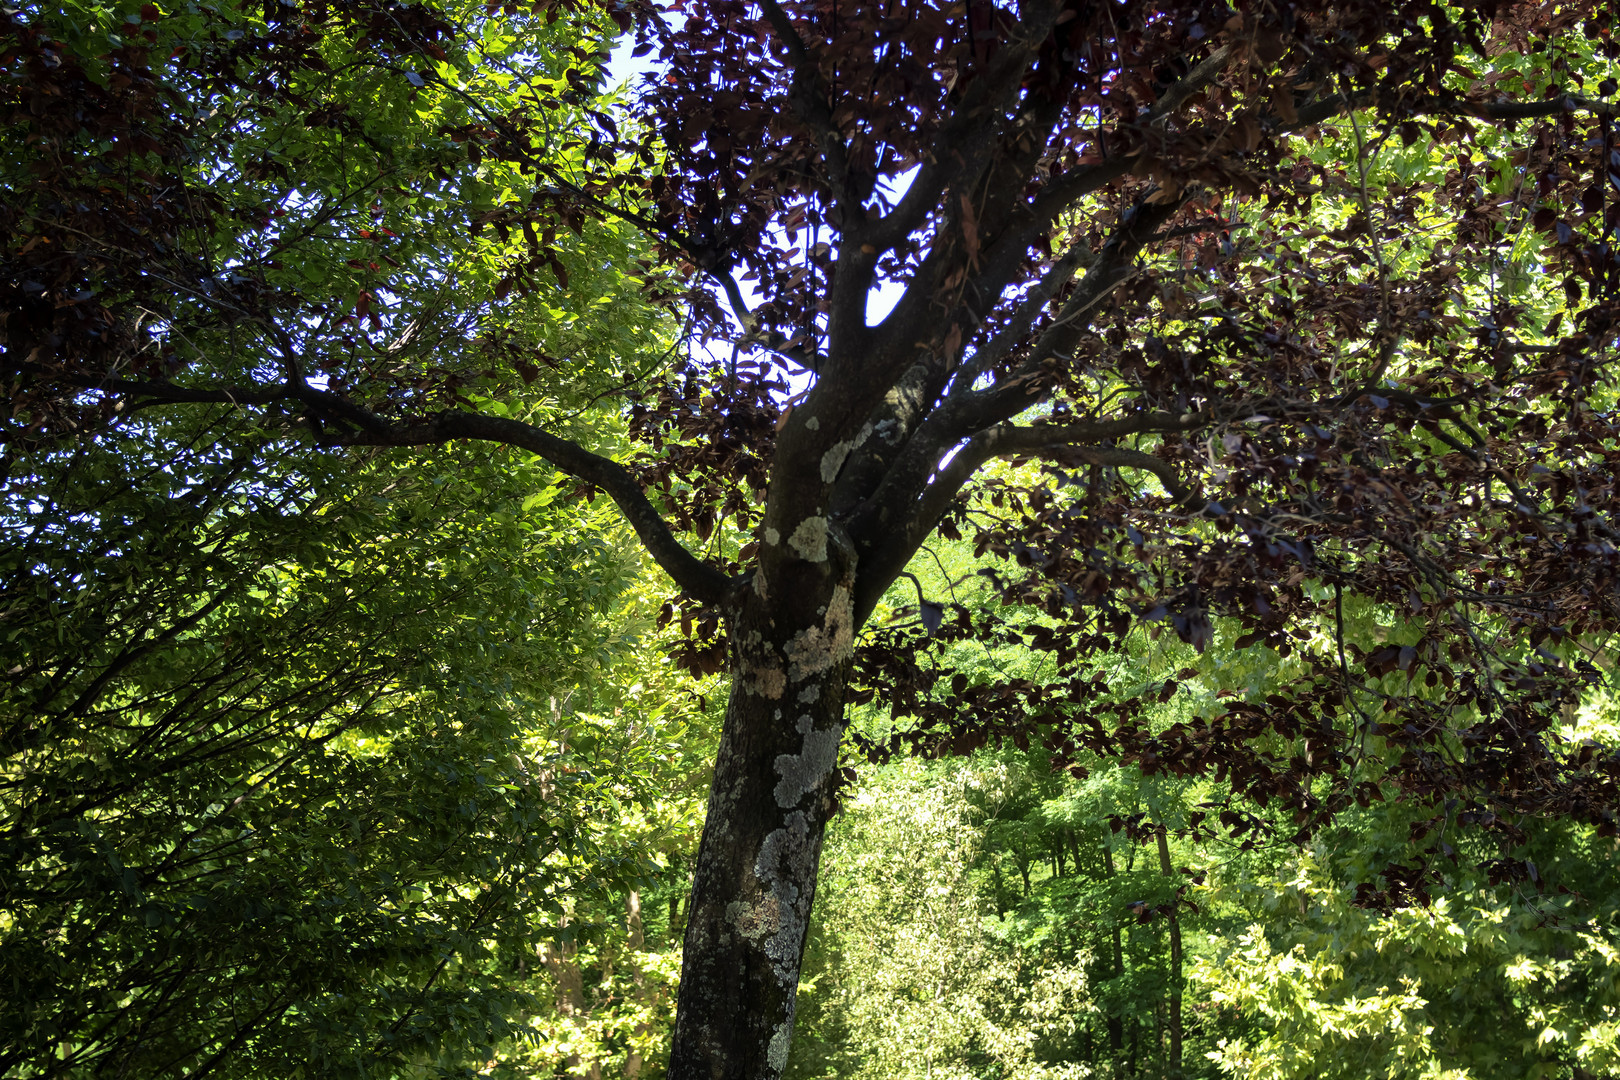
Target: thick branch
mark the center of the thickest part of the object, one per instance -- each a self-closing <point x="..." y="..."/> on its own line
<point x="692" y="574"/>
<point x="973" y="122"/>
<point x="1202" y="74"/>
<point x="1111" y="267"/>
<point x="886" y="526"/>
<point x="966" y="149"/>
<point x="1029" y="309"/>
<point x="894" y="538"/>
<point x="1117" y="456"/>
<point x="1022" y="223"/>
<point x="810" y="102"/>
<point x="1330" y="106"/>
<point x="1061" y="191"/>
<point x="1524" y="110"/>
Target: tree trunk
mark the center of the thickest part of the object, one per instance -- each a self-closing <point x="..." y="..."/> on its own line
<point x="768" y="808"/>
<point x="563" y="964"/>
<point x="1116" y="1019"/>
<point x="636" y="939"/>
<point x="1174" y="1071"/>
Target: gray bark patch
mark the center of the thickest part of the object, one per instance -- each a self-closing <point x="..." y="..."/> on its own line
<point x="817" y="648"/>
<point x="786" y="858"/>
<point x="802" y="772"/>
<point x="776" y="1055"/>
<point x="809" y="540"/>
<point x="833" y="460"/>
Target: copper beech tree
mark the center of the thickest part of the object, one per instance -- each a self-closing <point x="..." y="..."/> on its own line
<point x="1267" y="312"/>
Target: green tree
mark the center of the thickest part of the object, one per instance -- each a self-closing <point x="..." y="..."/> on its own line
<point x="269" y="792"/>
<point x="906" y="974"/>
<point x="605" y="966"/>
<point x="1292" y="964"/>
<point x="286" y="788"/>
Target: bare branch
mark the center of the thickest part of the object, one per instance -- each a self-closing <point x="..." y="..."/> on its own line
<point x="1108" y="270"/>
<point x="1018" y="326"/>
<point x="734" y="296"/>
<point x="886" y="523"/>
<point x="1052" y="442"/>
<point x="973" y="122"/>
<point x="1061" y="191"/>
<point x="692" y="574"/>
<point x="1202" y="74"/>
<point x="1525" y="110"/>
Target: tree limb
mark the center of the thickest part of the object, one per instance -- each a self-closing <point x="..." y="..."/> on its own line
<point x="692" y="574"/>
<point x="974" y="414"/>
<point x="979" y="409"/>
<point x="1032" y="441"/>
<point x="696" y="577"/>
<point x="810" y="102"/>
<point x="1029" y="309"/>
<point x="972" y="122"/>
<point x="892" y="542"/>
<point x="1078" y="182"/>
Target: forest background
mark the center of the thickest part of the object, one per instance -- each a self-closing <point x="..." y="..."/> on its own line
<point x="365" y="762"/>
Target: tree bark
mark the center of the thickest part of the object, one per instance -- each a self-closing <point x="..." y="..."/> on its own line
<point x="772" y="793"/>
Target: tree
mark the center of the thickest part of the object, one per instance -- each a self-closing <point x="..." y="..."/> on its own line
<point x="1285" y="263"/>
<point x="282" y="788"/>
<point x="913" y="969"/>
<point x="905" y="974"/>
<point x="1493" y="979"/>
<point x="1288" y="969"/>
<point x="611" y="950"/>
<point x="273" y="735"/>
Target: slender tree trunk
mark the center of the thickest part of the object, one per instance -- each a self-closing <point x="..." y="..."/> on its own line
<point x="1116" y="1020"/>
<point x="560" y="957"/>
<point x="771" y="796"/>
<point x="636" y="938"/>
<point x="1158" y="1038"/>
<point x="1174" y="1069"/>
<point x="563" y="963"/>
